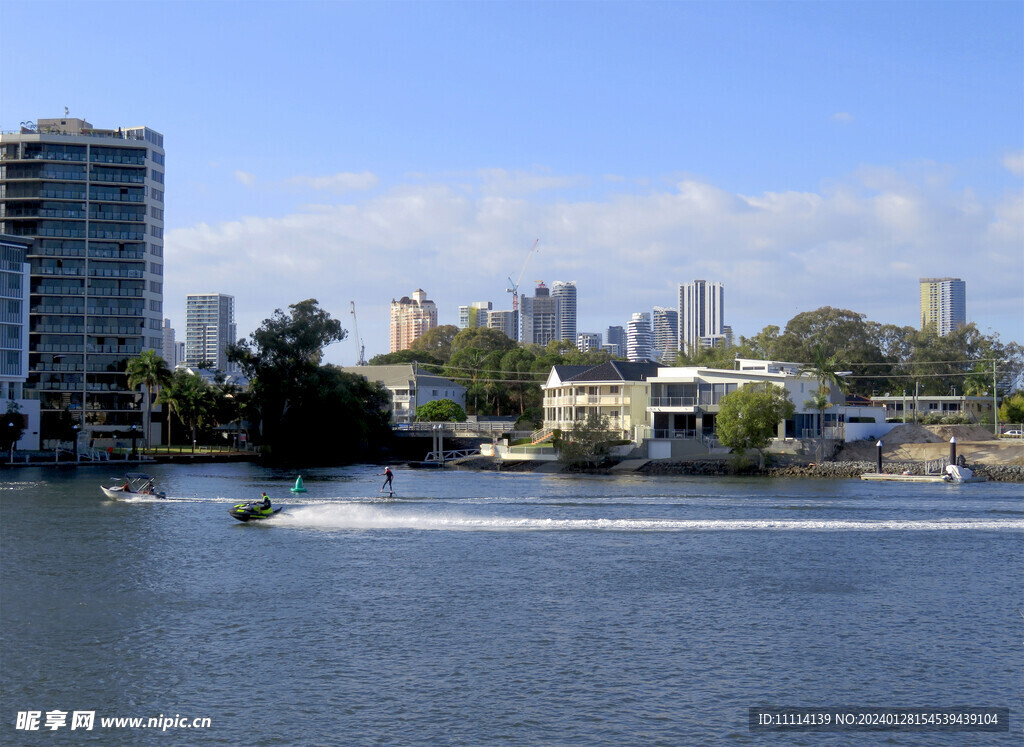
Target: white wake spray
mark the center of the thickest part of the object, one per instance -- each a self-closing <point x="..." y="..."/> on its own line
<point x="364" y="517"/>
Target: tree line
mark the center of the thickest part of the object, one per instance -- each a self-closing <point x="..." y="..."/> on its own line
<point x="301" y="409"/>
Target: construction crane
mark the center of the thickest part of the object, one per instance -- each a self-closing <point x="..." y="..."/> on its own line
<point x="359" y="342"/>
<point x="514" y="290"/>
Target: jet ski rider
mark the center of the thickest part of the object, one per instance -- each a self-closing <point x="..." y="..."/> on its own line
<point x="264" y="505"/>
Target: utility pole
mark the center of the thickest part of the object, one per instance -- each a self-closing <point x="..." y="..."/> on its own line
<point x="995" y="401"/>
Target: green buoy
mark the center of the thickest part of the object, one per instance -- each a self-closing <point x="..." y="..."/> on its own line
<point x="298" y="486"/>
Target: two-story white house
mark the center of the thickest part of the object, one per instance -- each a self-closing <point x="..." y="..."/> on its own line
<point x="684" y="402"/>
<point x="616" y="390"/>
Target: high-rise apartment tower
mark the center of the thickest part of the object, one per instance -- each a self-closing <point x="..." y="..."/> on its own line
<point x="638" y="338"/>
<point x="665" y="334"/>
<point x="565" y="293"/>
<point x="93" y="200"/>
<point x="540" y="317"/>
<point x="701" y="314"/>
<point x="209" y="329"/>
<point x="410" y="318"/>
<point x="615" y="341"/>
<point x="474" y="315"/>
<point x="943" y="304"/>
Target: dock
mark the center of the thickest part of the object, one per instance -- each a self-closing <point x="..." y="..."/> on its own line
<point x="916" y="478"/>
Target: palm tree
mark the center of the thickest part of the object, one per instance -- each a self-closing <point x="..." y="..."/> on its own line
<point x="826" y="370"/>
<point x="150" y="371"/>
<point x="190" y="398"/>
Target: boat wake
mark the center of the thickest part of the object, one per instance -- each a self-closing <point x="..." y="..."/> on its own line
<point x="362" y="517"/>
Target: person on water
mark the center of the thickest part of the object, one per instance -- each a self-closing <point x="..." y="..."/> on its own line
<point x="264" y="505"/>
<point x="387" y="480"/>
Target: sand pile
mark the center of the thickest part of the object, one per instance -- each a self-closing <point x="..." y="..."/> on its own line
<point x="912" y="441"/>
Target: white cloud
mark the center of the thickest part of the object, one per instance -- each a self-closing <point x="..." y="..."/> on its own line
<point x="859" y="243"/>
<point x="339" y="183"/>
<point x="1014" y="163"/>
<point x="244" y="177"/>
<point x="842" y="117"/>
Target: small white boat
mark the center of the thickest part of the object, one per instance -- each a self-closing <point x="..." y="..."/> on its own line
<point x="955" y="473"/>
<point x="133" y="483"/>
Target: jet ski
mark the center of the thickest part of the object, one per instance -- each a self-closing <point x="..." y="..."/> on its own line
<point x="252" y="511"/>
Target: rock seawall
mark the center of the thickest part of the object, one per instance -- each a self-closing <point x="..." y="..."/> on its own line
<point x="826" y="470"/>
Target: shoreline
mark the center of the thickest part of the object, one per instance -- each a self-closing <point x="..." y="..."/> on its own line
<point x="839" y="470"/>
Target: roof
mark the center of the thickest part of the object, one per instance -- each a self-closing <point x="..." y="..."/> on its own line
<point x="618" y="371"/>
<point x="400" y="376"/>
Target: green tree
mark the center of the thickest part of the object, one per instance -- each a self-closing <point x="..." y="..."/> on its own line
<point x="467" y="366"/>
<point x="281" y="360"/>
<point x="517" y="368"/>
<point x="824" y="369"/>
<point x="763" y="345"/>
<point x="437" y="342"/>
<point x="422" y="357"/>
<point x="12" y="426"/>
<point x="483" y="338"/>
<point x="337" y="416"/>
<point x="191" y="399"/>
<point x="586" y="443"/>
<point x="440" y="411"/>
<point x="150" y="371"/>
<point x="1012" y="409"/>
<point x="748" y="418"/>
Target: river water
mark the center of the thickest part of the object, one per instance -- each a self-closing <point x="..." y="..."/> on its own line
<point x="480" y="608"/>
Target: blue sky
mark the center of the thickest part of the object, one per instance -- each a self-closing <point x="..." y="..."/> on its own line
<point x="804" y="154"/>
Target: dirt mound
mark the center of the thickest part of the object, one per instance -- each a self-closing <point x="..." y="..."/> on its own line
<point x="918" y="442"/>
<point x="962" y="432"/>
<point x="911" y="433"/>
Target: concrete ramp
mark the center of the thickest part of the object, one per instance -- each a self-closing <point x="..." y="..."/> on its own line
<point x="629" y="465"/>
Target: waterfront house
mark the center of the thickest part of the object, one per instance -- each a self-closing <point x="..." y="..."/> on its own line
<point x="615" y="390"/>
<point x="410" y="386"/>
<point x="918" y="407"/>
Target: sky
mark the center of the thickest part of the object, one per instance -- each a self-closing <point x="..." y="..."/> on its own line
<point x="802" y="154"/>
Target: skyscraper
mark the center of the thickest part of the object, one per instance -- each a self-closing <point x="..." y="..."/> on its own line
<point x="14" y="320"/>
<point x="169" y="353"/>
<point x="587" y="341"/>
<point x="209" y="329"/>
<point x="540" y="317"/>
<point x="638" y="337"/>
<point x="665" y="332"/>
<point x="410" y="318"/>
<point x="943" y="304"/>
<point x="474" y="315"/>
<point x="615" y="341"/>
<point x="93" y="200"/>
<point x="14" y="287"/>
<point x="701" y="315"/>
<point x="505" y="321"/>
<point x="565" y="293"/>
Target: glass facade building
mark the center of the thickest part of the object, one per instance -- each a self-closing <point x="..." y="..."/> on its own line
<point x="92" y="200"/>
